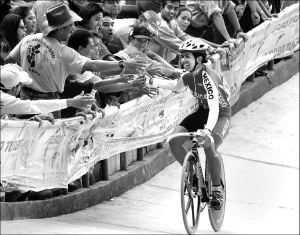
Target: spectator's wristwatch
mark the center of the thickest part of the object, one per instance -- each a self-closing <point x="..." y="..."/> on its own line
<point x="121" y="64"/>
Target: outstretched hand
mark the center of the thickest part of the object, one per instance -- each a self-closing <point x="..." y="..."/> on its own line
<point x="150" y="91"/>
<point x="81" y="101"/>
<point x="42" y="117"/>
<point x="85" y="112"/>
<point x="242" y="35"/>
<point x="136" y="65"/>
<point x="137" y="81"/>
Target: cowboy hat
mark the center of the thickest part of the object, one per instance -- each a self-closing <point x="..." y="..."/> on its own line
<point x="58" y="16"/>
<point x="12" y="74"/>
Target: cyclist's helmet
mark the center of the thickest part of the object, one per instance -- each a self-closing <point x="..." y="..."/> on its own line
<point x="196" y="46"/>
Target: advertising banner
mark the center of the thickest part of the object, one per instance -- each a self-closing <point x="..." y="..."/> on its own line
<point x="51" y="156"/>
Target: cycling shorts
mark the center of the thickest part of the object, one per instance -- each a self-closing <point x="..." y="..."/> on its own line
<point x="197" y="121"/>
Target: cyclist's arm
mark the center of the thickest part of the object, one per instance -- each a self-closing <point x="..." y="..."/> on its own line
<point x="174" y="85"/>
<point x="212" y="100"/>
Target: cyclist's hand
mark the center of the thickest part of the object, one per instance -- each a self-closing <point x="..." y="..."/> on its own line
<point x="204" y="132"/>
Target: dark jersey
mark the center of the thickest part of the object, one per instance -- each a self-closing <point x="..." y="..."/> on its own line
<point x="210" y="91"/>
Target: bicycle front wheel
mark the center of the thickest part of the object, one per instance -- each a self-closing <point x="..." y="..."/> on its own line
<point x="190" y="198"/>
<point x="216" y="217"/>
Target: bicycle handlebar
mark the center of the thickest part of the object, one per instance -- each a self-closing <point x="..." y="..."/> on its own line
<point x="186" y="134"/>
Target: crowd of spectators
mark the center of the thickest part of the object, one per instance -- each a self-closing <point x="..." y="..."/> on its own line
<point x="75" y="54"/>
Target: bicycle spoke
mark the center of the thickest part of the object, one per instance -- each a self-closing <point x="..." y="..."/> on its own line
<point x="193" y="212"/>
<point x="188" y="187"/>
<point x="188" y="195"/>
<point x="188" y="205"/>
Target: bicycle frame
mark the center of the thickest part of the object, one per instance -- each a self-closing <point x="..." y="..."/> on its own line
<point x="195" y="145"/>
<point x="194" y="200"/>
<point x="201" y="177"/>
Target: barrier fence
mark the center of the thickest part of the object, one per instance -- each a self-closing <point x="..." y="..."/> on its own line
<point x="51" y="156"/>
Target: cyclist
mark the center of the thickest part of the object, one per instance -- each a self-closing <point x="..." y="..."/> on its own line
<point x="213" y="115"/>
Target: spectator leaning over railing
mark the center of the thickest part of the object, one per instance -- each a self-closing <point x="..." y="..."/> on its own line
<point x="39" y="9"/>
<point x="208" y="23"/>
<point x="48" y="61"/>
<point x="139" y="39"/>
<point x="162" y="34"/>
<point x="81" y="40"/>
<point x="168" y="13"/>
<point x="239" y="8"/>
<point x="11" y="77"/>
<point x="92" y="15"/>
<point x="254" y="14"/>
<point x="183" y="18"/>
<point x="107" y="33"/>
<point x="27" y="16"/>
<point x="112" y="7"/>
<point x="12" y="28"/>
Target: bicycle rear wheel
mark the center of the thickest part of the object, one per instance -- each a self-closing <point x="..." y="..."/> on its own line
<point x="216" y="217"/>
<point x="190" y="200"/>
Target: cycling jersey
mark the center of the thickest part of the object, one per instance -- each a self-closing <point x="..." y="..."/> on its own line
<point x="210" y="91"/>
<point x="214" y="112"/>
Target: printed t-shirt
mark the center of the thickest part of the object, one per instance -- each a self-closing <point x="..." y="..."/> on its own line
<point x="47" y="62"/>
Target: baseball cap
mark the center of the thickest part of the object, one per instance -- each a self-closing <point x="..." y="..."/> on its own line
<point x="12" y="74"/>
<point x="153" y="21"/>
<point x="140" y="32"/>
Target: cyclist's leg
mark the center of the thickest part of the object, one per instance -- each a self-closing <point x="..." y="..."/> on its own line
<point x="191" y="123"/>
<point x="211" y="145"/>
<point x="177" y="144"/>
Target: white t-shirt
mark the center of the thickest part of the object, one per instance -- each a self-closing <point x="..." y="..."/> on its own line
<point x="13" y="105"/>
<point x="47" y="62"/>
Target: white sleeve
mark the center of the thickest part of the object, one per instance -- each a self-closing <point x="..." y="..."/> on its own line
<point x="212" y="100"/>
<point x="174" y="85"/>
<point x="13" y="105"/>
<point x="73" y="61"/>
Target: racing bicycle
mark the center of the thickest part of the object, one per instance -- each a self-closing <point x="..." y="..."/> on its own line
<point x="196" y="186"/>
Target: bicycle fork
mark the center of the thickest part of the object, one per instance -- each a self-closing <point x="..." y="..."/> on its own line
<point x="201" y="181"/>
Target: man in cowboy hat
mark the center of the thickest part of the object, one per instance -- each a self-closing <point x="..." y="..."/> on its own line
<point x="48" y="61"/>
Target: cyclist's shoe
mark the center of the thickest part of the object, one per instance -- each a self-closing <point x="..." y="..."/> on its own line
<point x="217" y="199"/>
